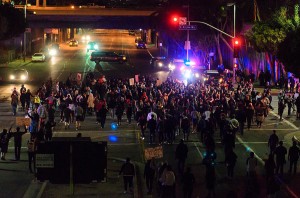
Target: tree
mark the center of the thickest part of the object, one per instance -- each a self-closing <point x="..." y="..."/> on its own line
<point x="12" y="22"/>
<point x="288" y="52"/>
<point x="266" y="36"/>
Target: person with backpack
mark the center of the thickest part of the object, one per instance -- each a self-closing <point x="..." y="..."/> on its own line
<point x="128" y="172"/>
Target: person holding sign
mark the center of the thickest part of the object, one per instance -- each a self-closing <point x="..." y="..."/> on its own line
<point x="17" y="141"/>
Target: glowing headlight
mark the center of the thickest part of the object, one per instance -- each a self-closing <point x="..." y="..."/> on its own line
<point x="12" y="77"/>
<point x="197" y="75"/>
<point x="124" y="57"/>
<point x="187" y="74"/>
<point x="52" y="52"/>
<point x="23" y="77"/>
<point x="95" y="46"/>
<point x="160" y="64"/>
<point x="171" y="67"/>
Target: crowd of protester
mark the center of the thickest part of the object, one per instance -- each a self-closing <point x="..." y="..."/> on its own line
<point x="168" y="110"/>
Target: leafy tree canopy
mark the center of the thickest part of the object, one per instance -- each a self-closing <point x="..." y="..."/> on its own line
<point x="266" y="36"/>
<point x="12" y="22"/>
<point x="288" y="52"/>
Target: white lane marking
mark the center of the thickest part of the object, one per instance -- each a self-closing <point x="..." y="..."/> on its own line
<point x="262" y="129"/>
<point x="92" y="131"/>
<point x="284" y="120"/>
<point x="198" y="150"/>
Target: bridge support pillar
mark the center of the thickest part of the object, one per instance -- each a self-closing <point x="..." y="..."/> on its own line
<point x="72" y="33"/>
<point x="148" y="36"/>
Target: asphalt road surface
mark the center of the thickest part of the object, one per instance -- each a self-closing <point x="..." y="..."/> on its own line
<point x="125" y="142"/>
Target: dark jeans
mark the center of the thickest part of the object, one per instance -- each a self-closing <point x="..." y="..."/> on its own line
<point x="293" y="166"/>
<point x="279" y="167"/>
<point x="31" y="158"/>
<point x="102" y="121"/>
<point x="128" y="181"/>
<point x="180" y="165"/>
<point x="152" y="136"/>
<point x="230" y="169"/>
<point x="149" y="183"/>
<point x="17" y="152"/>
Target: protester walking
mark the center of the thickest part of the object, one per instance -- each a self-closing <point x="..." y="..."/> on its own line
<point x="293" y="157"/>
<point x="31" y="147"/>
<point x="188" y="182"/>
<point x="230" y="161"/>
<point x="4" y="139"/>
<point x="149" y="174"/>
<point x="273" y="142"/>
<point x="181" y="155"/>
<point x="152" y="124"/>
<point x="128" y="172"/>
<point x="17" y="140"/>
<point x="280" y="153"/>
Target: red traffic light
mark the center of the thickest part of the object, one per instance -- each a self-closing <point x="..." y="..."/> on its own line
<point x="236" y="42"/>
<point x="175" y="19"/>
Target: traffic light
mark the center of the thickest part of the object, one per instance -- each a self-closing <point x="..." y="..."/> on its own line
<point x="236" y="48"/>
<point x="175" y="19"/>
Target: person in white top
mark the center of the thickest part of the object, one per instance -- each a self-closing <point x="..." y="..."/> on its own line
<point x="251" y="163"/>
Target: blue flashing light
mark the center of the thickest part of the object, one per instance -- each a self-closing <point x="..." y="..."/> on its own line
<point x="113" y="126"/>
<point x="189" y="62"/>
<point x="113" y="138"/>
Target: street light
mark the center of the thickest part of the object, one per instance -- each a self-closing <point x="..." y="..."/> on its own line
<point x="234" y="11"/>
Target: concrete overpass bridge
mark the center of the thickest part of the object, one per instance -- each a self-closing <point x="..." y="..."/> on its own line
<point x="89" y="17"/>
<point x="58" y="24"/>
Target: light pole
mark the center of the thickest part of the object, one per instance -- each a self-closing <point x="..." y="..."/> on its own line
<point x="25" y="36"/>
<point x="234" y="59"/>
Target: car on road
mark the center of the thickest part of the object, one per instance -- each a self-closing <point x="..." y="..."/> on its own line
<point x="10" y="75"/>
<point x="92" y="46"/>
<point x="73" y="43"/>
<point x="100" y="56"/>
<point x="141" y="45"/>
<point x="38" y="57"/>
<point x="162" y="62"/>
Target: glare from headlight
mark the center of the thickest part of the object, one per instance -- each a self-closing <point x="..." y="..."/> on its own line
<point x="89" y="46"/>
<point x="95" y="46"/>
<point x="23" y="77"/>
<point x="12" y="77"/>
<point x="160" y="64"/>
<point x="171" y="67"/>
<point x="87" y="37"/>
<point x="187" y="74"/>
<point x="197" y="75"/>
<point x="124" y="57"/>
<point x="52" y="52"/>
